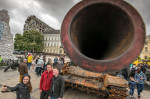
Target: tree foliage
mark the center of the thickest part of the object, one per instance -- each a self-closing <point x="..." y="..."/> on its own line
<point x="30" y="40"/>
<point x="139" y="57"/>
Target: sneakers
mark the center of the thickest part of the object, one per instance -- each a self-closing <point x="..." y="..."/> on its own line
<point x="132" y="96"/>
<point x="139" y="97"/>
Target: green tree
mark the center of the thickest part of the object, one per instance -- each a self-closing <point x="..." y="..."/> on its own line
<point x="18" y="41"/>
<point x="139" y="57"/>
<point x="30" y="40"/>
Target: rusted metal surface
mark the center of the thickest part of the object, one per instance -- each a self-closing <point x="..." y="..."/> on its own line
<point x="117" y="93"/>
<point x="103" y="35"/>
<point x="102" y="85"/>
<point x="115" y="81"/>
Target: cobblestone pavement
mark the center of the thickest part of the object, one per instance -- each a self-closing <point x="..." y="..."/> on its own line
<point x="11" y="78"/>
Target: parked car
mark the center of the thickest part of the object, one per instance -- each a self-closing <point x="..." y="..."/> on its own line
<point x="22" y="52"/>
<point x="16" y="52"/>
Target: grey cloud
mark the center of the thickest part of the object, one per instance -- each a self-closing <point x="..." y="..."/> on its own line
<point x="58" y="9"/>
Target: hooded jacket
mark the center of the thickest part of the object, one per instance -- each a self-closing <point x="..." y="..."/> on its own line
<point x="29" y="58"/>
<point x="138" y="77"/>
<point x="46" y="79"/>
<point x="21" y="90"/>
<point x="40" y="62"/>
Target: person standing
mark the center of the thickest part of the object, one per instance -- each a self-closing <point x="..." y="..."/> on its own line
<point x="58" y="85"/>
<point x="39" y="66"/>
<point x="33" y="63"/>
<point x="23" y="69"/>
<point x="143" y="68"/>
<point x="22" y="89"/>
<point x="63" y="59"/>
<point x="132" y="85"/>
<point x="1" y="59"/>
<point x="36" y="64"/>
<point x="44" y="65"/>
<point x="29" y="61"/>
<point x="45" y="82"/>
<point x="125" y="73"/>
<point x="133" y="70"/>
<point x="55" y="60"/>
<point x="140" y="78"/>
<point x="60" y="61"/>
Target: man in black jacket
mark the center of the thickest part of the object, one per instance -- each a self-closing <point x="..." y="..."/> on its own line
<point x="58" y="85"/>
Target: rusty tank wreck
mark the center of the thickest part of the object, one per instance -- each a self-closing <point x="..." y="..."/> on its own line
<point x="101" y="36"/>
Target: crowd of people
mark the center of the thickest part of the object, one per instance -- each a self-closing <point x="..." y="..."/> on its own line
<point x="52" y="84"/>
<point x="135" y="74"/>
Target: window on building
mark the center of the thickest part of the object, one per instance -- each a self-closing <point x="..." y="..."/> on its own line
<point x="60" y="51"/>
<point x="53" y="44"/>
<point x="50" y="44"/>
<point x="47" y="50"/>
<point x="146" y="49"/>
<point x="54" y="51"/>
<point x="145" y="57"/>
<point x="56" y="44"/>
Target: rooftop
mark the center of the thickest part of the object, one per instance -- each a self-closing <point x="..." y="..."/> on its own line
<point x="52" y="32"/>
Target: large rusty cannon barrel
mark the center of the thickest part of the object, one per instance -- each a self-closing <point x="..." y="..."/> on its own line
<point x="103" y="35"/>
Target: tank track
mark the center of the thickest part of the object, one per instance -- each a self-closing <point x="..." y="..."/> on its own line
<point x="86" y="89"/>
<point x="117" y="92"/>
<point x="113" y="92"/>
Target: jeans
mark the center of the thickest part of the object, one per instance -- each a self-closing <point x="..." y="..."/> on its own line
<point x="132" y="91"/>
<point x="38" y="71"/>
<point x="52" y="97"/>
<point x="140" y="88"/>
<point x="29" y="65"/>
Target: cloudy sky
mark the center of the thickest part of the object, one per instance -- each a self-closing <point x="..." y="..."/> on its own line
<point x="52" y="12"/>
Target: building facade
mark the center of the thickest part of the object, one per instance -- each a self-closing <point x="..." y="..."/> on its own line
<point x="33" y="23"/>
<point x="145" y="54"/>
<point x="52" y="42"/>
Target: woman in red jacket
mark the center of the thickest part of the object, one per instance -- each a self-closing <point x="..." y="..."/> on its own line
<point x="45" y="82"/>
